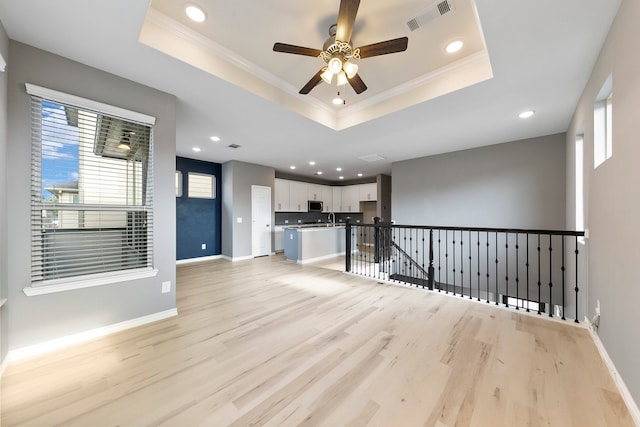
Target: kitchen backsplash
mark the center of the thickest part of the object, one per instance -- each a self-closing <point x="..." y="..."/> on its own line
<point x="285" y="218"/>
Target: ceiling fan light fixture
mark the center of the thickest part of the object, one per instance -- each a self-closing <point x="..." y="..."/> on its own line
<point x="351" y="69"/>
<point x="341" y="78"/>
<point x="335" y="65"/>
<point x="337" y="100"/>
<point x="327" y="76"/>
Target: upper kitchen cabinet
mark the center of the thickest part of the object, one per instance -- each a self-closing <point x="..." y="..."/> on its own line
<point x="282" y="195"/>
<point x="350" y="198"/>
<point x="298" y="196"/>
<point x="368" y="192"/>
<point x="314" y="191"/>
<point x="327" y="199"/>
<point x="336" y="206"/>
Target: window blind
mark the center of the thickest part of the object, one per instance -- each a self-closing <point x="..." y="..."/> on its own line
<point x="91" y="194"/>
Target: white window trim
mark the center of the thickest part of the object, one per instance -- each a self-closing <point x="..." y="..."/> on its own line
<point x="90" y="281"/>
<point x="88" y="104"/>
<point x="80" y="282"/>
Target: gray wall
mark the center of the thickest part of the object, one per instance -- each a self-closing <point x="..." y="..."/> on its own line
<point x="612" y="204"/>
<point x="517" y="184"/>
<point x="35" y="319"/>
<point x="4" y="50"/>
<point x="237" y="179"/>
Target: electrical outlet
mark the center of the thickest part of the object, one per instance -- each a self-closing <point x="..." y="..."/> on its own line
<point x="166" y="287"/>
<point x="299" y="221"/>
<point x="204" y="246"/>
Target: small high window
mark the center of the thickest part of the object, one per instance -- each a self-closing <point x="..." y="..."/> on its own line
<point x="603" y="124"/>
<point x="201" y="186"/>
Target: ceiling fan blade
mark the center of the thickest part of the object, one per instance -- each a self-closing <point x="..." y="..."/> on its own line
<point x="384" y="48"/>
<point x="357" y="84"/>
<point x="346" y="18"/>
<point x="296" y="50"/>
<point x="311" y="83"/>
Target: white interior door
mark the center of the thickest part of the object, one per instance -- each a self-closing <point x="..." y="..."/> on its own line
<point x="260" y="220"/>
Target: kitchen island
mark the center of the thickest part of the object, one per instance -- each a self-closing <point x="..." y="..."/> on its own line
<point x="304" y="244"/>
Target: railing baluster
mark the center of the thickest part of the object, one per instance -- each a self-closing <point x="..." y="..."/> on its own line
<point x="488" y="275"/>
<point x="453" y="245"/>
<point x="461" y="263"/>
<point x="506" y="269"/>
<point x="563" y="278"/>
<point x="550" y="277"/>
<point x="577" y="288"/>
<point x="478" y="284"/>
<point x="527" y="272"/>
<point x="497" y="293"/>
<point x="517" y="274"/>
<point x="446" y="260"/>
<point x="539" y="282"/>
<point x="439" y="261"/>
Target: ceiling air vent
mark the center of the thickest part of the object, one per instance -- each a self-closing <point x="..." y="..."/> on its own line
<point x="371" y="158"/>
<point x="233" y="146"/>
<point x="427" y="15"/>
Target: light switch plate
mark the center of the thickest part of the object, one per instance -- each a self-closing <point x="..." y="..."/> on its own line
<point x="239" y="220"/>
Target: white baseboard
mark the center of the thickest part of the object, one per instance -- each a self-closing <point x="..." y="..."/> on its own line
<point x="238" y="258"/>
<point x="617" y="379"/>
<point x="198" y="259"/>
<point x="69" y="340"/>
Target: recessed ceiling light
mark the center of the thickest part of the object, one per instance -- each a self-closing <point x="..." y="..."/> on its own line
<point x="319" y="173"/>
<point x="359" y="174"/>
<point x="454" y="46"/>
<point x="526" y="114"/>
<point x="339" y="169"/>
<point x="195" y="13"/>
<point x="312" y="163"/>
<point x="196" y="149"/>
<point x="341" y="177"/>
<point x="215" y="138"/>
<point x="292" y="167"/>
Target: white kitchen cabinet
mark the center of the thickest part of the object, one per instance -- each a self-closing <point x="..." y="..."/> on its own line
<point x="298" y="196"/>
<point x="281" y="195"/>
<point x="314" y="192"/>
<point x="368" y="192"/>
<point x="337" y="199"/>
<point x="351" y="198"/>
<point x="327" y="199"/>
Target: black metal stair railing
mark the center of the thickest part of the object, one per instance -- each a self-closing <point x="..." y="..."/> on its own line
<point x="531" y="270"/>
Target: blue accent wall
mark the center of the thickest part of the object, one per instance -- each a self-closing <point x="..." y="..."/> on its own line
<point x="198" y="221"/>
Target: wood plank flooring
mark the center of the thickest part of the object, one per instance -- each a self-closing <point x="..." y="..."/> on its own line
<point x="267" y="342"/>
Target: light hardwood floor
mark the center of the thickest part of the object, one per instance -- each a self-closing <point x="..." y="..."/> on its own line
<point x="269" y="342"/>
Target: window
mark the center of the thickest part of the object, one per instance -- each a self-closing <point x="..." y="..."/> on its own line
<point x="92" y="192"/>
<point x="178" y="184"/>
<point x="202" y="186"/>
<point x="579" y="184"/>
<point x="603" y="124"/>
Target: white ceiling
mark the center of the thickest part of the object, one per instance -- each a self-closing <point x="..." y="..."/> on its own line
<point x="541" y="54"/>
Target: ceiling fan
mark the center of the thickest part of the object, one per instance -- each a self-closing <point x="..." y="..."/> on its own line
<point x="338" y="51"/>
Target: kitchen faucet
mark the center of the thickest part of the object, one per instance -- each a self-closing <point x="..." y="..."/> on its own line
<point x="332" y="218"/>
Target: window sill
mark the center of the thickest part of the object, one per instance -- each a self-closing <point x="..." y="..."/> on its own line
<point x="78" y="283"/>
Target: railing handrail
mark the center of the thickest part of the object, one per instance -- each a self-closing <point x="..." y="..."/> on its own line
<point x="480" y="229"/>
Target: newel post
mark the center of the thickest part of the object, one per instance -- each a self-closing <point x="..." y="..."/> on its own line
<point x="376" y="239"/>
